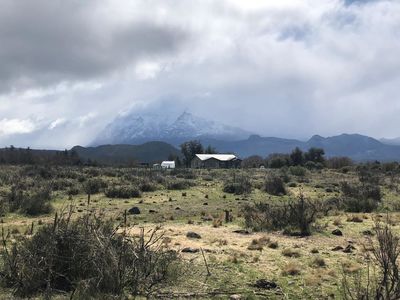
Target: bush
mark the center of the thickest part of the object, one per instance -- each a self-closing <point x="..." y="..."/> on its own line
<point x="295" y="216"/>
<point x="123" y="192"/>
<point x="93" y="186"/>
<point x="383" y="284"/>
<point x="178" y="184"/>
<point x="148" y="186"/>
<point x="86" y="257"/>
<point x="37" y="202"/>
<point x="297" y="171"/>
<point x="240" y="185"/>
<point x="360" y="198"/>
<point x="274" y="185"/>
<point x="73" y="191"/>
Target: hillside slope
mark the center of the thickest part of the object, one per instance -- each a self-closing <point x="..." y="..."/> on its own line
<point x="127" y="154"/>
<point x="355" y="146"/>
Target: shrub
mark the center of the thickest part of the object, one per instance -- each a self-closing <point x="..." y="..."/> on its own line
<point x="148" y="186"/>
<point x="178" y="184"/>
<point x="93" y="186"/>
<point x="123" y="192"/>
<point x="86" y="257"/>
<point x="208" y="178"/>
<point x="291" y="269"/>
<point x="360" y="198"/>
<point x="297" y="171"/>
<point x="37" y="202"/>
<point x="383" y="284"/>
<point x="319" y="262"/>
<point x="240" y="185"/>
<point x="73" y="191"/>
<point x="289" y="252"/>
<point x="295" y="216"/>
<point x="274" y="185"/>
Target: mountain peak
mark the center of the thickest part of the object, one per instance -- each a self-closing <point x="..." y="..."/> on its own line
<point x="135" y="129"/>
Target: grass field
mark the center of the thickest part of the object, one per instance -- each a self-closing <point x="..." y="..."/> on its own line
<point x="302" y="267"/>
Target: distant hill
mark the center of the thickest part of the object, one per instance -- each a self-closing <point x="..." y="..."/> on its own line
<point x="355" y="146"/>
<point x="127" y="154"/>
<point x="394" y="141"/>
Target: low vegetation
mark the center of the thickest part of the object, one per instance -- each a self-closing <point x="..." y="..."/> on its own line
<point x="308" y="229"/>
<point x="87" y="256"/>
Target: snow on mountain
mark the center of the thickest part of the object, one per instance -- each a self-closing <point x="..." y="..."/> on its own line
<point x="132" y="129"/>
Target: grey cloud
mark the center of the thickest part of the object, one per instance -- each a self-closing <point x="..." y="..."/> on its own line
<point x="291" y="70"/>
<point x="48" y="41"/>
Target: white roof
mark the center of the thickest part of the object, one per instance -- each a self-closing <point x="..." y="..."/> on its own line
<point x="168" y="162"/>
<point x="221" y="157"/>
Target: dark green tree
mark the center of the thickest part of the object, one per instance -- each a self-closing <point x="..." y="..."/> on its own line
<point x="210" y="150"/>
<point x="190" y="149"/>
<point x="297" y="157"/>
<point x="315" y="155"/>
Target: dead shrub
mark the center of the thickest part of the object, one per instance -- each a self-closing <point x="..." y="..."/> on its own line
<point x="318" y="262"/>
<point x="86" y="256"/>
<point x="238" y="185"/>
<point x="383" y="283"/>
<point x="217" y="222"/>
<point x="295" y="216"/>
<point x="273" y="245"/>
<point x="289" y="252"/>
<point x="291" y="269"/>
<point x="274" y="185"/>
<point x="355" y="219"/>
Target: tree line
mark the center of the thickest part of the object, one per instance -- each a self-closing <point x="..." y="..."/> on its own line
<point x="314" y="158"/>
<point x="26" y="156"/>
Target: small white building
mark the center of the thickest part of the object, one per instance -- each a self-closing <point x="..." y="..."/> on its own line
<point x="168" y="164"/>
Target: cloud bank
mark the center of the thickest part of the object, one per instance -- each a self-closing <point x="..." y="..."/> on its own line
<point x="289" y="68"/>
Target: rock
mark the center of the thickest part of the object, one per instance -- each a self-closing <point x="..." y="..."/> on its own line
<point x="207" y="218"/>
<point x="190" y="250"/>
<point x="367" y="232"/>
<point x="337" y="248"/>
<point x="205" y="203"/>
<point x="349" y="249"/>
<point x="134" y="210"/>
<point x="193" y="235"/>
<point x="152" y="211"/>
<point x="235" y="297"/>
<point x="242" y="231"/>
<point x="337" y="232"/>
<point x="265" y="284"/>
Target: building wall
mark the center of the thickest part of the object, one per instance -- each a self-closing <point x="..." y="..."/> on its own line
<point x="213" y="163"/>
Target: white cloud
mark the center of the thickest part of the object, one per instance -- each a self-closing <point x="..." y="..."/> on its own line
<point x="83" y="120"/>
<point x="147" y="70"/>
<point x="56" y="123"/>
<point x="16" y="126"/>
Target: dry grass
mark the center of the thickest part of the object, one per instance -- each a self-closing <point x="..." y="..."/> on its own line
<point x="355" y="219"/>
<point x="289" y="252"/>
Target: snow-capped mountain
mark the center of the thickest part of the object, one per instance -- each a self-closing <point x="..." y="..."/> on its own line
<point x="133" y="129"/>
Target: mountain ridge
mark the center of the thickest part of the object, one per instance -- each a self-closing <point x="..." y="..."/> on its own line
<point x="133" y="129"/>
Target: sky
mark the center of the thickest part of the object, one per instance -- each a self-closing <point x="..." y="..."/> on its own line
<point x="288" y="68"/>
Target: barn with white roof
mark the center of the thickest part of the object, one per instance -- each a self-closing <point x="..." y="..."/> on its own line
<point x="215" y="161"/>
